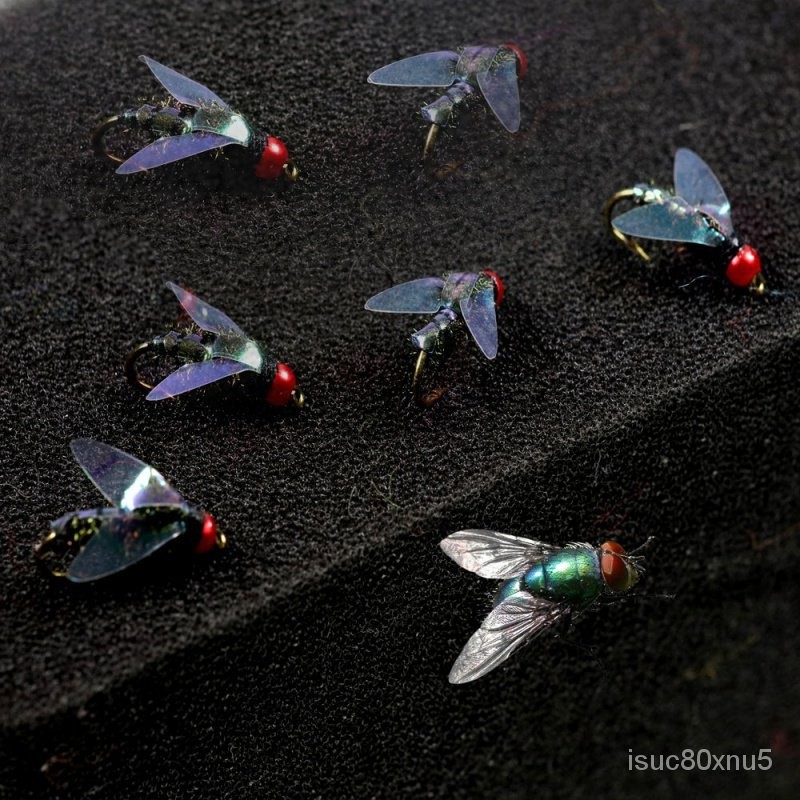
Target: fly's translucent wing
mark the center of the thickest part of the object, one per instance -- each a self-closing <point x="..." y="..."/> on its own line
<point x="501" y="91"/>
<point x="696" y="183"/>
<point x="197" y="374"/>
<point x="428" y="69"/>
<point x="422" y="296"/>
<point x="516" y="620"/>
<point x="672" y="220"/>
<point x="119" y="543"/>
<point x="477" y="308"/>
<point x="491" y="554"/>
<point x="183" y="89"/>
<point x="203" y="315"/>
<point x="124" y="480"/>
<point x="173" y="148"/>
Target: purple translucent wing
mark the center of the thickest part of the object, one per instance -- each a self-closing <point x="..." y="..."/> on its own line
<point x="204" y="316"/>
<point x="422" y="296"/>
<point x="697" y="184"/>
<point x="515" y="621"/>
<point x="478" y="310"/>
<point x="119" y="543"/>
<point x="428" y="69"/>
<point x="672" y="220"/>
<point x="183" y="89"/>
<point x="173" y="148"/>
<point x="501" y="91"/>
<point x="491" y="554"/>
<point x="127" y="482"/>
<point x="197" y="374"/>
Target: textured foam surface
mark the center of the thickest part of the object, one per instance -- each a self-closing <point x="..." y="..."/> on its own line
<point x="310" y="658"/>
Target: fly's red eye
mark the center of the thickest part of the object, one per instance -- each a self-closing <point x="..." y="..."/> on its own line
<point x="522" y="62"/>
<point x="499" y="290"/>
<point x="617" y="574"/>
<point x="208" y="535"/>
<point x="273" y="159"/>
<point x="744" y="266"/>
<point x="282" y="387"/>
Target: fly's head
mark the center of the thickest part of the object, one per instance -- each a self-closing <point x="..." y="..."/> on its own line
<point x="210" y="536"/>
<point x="499" y="289"/>
<point x="283" y="390"/>
<point x="274" y="161"/>
<point x="519" y="56"/>
<point x="744" y="270"/>
<point x="620" y="569"/>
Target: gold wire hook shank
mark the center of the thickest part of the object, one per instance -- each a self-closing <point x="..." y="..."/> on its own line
<point x="98" y="138"/>
<point x="631" y="244"/>
<point x="430" y="139"/>
<point x="427" y="399"/>
<point x="131" y="373"/>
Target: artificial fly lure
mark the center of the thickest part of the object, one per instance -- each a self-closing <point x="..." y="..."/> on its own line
<point x="543" y="585"/>
<point x="147" y="515"/>
<point x="492" y="72"/>
<point x="470" y="296"/>
<point x="697" y="213"/>
<point x="195" y="121"/>
<point x="217" y="349"/>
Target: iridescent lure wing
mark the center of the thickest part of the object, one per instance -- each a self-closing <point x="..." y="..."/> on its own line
<point x="203" y="315"/>
<point x="183" y="89"/>
<point x="119" y="543"/>
<point x="124" y="480"/>
<point x="173" y="148"/>
<point x="697" y="184"/>
<point x="672" y="220"/>
<point x="491" y="554"/>
<point x="509" y="626"/>
<point x="421" y="296"/>
<point x="478" y="309"/>
<point x="196" y="374"/>
<point x="501" y="90"/>
<point x="428" y="69"/>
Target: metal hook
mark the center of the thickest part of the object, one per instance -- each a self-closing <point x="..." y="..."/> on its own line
<point x="98" y="138"/>
<point x="623" y="194"/>
<point x="427" y="399"/>
<point x="433" y="133"/>
<point x="131" y="373"/>
<point x="298" y="399"/>
<point x="45" y="547"/>
<point x="290" y="171"/>
<point x="758" y="286"/>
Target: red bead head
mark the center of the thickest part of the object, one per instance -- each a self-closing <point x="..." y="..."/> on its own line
<point x="618" y="573"/>
<point x="499" y="290"/>
<point x="283" y="386"/>
<point x="208" y="535"/>
<point x="744" y="266"/>
<point x="522" y="62"/>
<point x="273" y="159"/>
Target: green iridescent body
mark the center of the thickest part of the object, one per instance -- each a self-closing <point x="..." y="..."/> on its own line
<point x="125" y="534"/>
<point x="172" y="121"/>
<point x="570" y="576"/>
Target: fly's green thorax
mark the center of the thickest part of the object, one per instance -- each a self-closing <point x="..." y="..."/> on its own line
<point x="222" y="121"/>
<point x="568" y="576"/>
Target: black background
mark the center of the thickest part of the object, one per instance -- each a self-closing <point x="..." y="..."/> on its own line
<point x="310" y="658"/>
